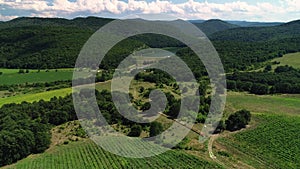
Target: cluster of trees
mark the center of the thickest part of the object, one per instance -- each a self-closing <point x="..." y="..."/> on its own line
<point x="22" y="71"/>
<point x="235" y="121"/>
<point x="284" y="79"/>
<point x="25" y="127"/>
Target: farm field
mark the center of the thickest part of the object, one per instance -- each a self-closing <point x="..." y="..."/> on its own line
<point x="31" y="97"/>
<point x="273" y="104"/>
<point x="35" y="96"/>
<point x="85" y="154"/>
<point x="292" y="59"/>
<point x="273" y="143"/>
<point x="11" y="76"/>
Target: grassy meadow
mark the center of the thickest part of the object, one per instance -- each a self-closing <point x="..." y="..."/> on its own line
<point x="271" y="104"/>
<point x="35" y="96"/>
<point x="11" y="76"/>
<point x="292" y="59"/>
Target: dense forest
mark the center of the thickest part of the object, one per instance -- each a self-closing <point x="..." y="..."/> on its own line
<point x="55" y="43"/>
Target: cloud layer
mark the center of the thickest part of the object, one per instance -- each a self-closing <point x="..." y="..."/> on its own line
<point x="238" y="10"/>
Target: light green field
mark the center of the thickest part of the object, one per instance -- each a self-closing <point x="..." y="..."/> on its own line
<point x="11" y="76"/>
<point x="292" y="59"/>
<point x="275" y="104"/>
<point x="31" y="97"/>
<point x="35" y="97"/>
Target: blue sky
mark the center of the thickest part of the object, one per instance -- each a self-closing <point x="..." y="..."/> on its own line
<point x="250" y="10"/>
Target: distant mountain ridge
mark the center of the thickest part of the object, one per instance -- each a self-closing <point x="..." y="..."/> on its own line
<point x="92" y="23"/>
<point x="55" y="42"/>
<point x="215" y="25"/>
<point x="244" y="23"/>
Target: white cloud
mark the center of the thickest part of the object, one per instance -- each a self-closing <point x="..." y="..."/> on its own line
<point x="190" y="9"/>
<point x="6" y="18"/>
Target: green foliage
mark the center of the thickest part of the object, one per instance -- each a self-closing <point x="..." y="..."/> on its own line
<point x="155" y="128"/>
<point x="268" y="68"/>
<point x="135" y="131"/>
<point x="214" y="25"/>
<point x="243" y="48"/>
<point x="238" y="120"/>
<point x="285" y="79"/>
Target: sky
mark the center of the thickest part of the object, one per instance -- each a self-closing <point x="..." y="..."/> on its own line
<point x="246" y="10"/>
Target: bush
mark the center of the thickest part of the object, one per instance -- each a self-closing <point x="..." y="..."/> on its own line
<point x="238" y="120"/>
<point x="135" y="131"/>
<point x="155" y="128"/>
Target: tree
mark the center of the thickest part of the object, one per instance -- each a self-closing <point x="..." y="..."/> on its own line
<point x="146" y="106"/>
<point x="258" y="88"/>
<point x="155" y="128"/>
<point x="21" y="71"/>
<point x="238" y="120"/>
<point x="231" y="84"/>
<point x="220" y="128"/>
<point x="268" y="68"/>
<point x="135" y="131"/>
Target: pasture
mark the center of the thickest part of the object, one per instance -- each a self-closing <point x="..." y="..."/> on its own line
<point x="271" y="104"/>
<point x="292" y="59"/>
<point x="11" y="76"/>
<point x="35" y="96"/>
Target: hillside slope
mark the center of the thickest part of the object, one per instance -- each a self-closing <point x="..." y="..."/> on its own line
<point x="212" y="26"/>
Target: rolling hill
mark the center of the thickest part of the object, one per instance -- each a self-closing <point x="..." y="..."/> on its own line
<point x="215" y="25"/>
<point x="40" y="43"/>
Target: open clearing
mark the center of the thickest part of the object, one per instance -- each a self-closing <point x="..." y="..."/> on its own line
<point x="273" y="104"/>
<point x="35" y="97"/>
<point x="31" y="97"/>
<point x="292" y="59"/>
<point x="11" y="76"/>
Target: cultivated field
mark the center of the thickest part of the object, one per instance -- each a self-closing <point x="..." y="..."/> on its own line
<point x="85" y="154"/>
<point x="273" y="143"/>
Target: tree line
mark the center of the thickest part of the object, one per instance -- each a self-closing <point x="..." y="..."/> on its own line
<point x="284" y="79"/>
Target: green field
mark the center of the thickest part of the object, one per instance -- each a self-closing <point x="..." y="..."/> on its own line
<point x="274" y="143"/>
<point x="31" y="97"/>
<point x="85" y="154"/>
<point x="11" y="76"/>
<point x="292" y="59"/>
<point x="273" y="104"/>
<point x="271" y="140"/>
<point x="35" y="97"/>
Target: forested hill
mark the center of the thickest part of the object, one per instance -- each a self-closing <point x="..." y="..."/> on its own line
<point x="41" y="43"/>
<point x="215" y="25"/>
<point x="92" y="23"/>
<point x="248" y="34"/>
<point x="243" y="48"/>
